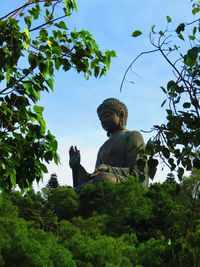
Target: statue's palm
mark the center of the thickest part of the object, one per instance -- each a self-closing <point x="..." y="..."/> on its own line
<point x="74" y="157"/>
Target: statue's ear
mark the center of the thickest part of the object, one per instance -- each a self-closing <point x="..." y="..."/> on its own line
<point x="122" y="114"/>
<point x="122" y="126"/>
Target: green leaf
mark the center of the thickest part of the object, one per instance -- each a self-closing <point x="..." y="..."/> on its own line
<point x="194" y="30"/>
<point x="35" y="12"/>
<point x="190" y="58"/>
<point x="43" y="35"/>
<point x="152" y="163"/>
<point x="25" y="45"/>
<point x="43" y="168"/>
<point x="103" y="71"/>
<point x="189" y="61"/>
<point x="168" y="19"/>
<point x="150" y="147"/>
<point x="38" y="109"/>
<point x="180" y="173"/>
<point x="61" y="25"/>
<point x="180" y="28"/>
<point x="32" y="58"/>
<point x="13" y="179"/>
<point x="136" y="33"/>
<point x="163" y="103"/>
<point x="195" y="10"/>
<point x="66" y="64"/>
<point x="48" y="3"/>
<point x="50" y="83"/>
<point x="193" y="52"/>
<point x="48" y="156"/>
<point x="142" y="177"/>
<point x="152" y="167"/>
<point x="192" y="37"/>
<point x="56" y="158"/>
<point x="197" y="82"/>
<point x="196" y="163"/>
<point x="171" y="84"/>
<point x="181" y="37"/>
<point x="26" y="31"/>
<point x="186" y="105"/>
<point x="141" y="163"/>
<point x="66" y="3"/>
<point x="166" y="152"/>
<point x="42" y="124"/>
<point x="161" y="33"/>
<point x="54" y="145"/>
<point x="74" y="5"/>
<point x="96" y="71"/>
<point x="163" y="89"/>
<point x="8" y="77"/>
<point x="113" y="53"/>
<point x="28" y="21"/>
<point x="27" y="86"/>
<point x="187" y="163"/>
<point x="1" y="196"/>
<point x="153" y="29"/>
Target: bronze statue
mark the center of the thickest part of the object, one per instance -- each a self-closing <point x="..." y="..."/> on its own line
<point x="117" y="157"/>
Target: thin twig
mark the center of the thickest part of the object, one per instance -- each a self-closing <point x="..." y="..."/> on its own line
<point x="49" y="22"/>
<point x="130" y="66"/>
<point x="190" y="23"/>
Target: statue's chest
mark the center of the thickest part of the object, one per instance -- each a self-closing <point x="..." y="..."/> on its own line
<point x="112" y="152"/>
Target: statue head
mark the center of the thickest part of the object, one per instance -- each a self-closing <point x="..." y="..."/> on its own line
<point x="116" y="106"/>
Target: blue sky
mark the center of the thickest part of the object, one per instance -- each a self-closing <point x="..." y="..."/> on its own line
<point x="70" y="112"/>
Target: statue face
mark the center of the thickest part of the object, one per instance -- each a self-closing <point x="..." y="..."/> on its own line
<point x="110" y="121"/>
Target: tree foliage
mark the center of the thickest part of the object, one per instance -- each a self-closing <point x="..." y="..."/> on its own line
<point x="53" y="182"/>
<point x="177" y="141"/>
<point x="35" y="42"/>
<point x="103" y="225"/>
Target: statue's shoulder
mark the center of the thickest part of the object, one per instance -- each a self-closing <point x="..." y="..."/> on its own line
<point x="134" y="137"/>
<point x="133" y="133"/>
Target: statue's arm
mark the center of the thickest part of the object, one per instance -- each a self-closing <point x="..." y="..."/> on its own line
<point x="79" y="174"/>
<point x="136" y="149"/>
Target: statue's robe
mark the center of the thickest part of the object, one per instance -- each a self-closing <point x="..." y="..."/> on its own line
<point x="120" y="153"/>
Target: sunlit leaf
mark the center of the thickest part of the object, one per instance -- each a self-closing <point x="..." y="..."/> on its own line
<point x="38" y="109"/>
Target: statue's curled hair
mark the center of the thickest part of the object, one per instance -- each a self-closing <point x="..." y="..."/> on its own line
<point x="118" y="107"/>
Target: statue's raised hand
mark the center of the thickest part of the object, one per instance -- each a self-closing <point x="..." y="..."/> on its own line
<point x="74" y="157"/>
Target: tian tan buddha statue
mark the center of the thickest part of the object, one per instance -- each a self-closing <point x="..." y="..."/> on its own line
<point x="117" y="157"/>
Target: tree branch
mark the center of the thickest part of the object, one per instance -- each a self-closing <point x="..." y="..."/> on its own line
<point x="20" y="8"/>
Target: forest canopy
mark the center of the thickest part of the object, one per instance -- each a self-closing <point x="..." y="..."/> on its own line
<point x="103" y="225"/>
